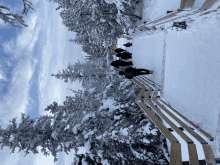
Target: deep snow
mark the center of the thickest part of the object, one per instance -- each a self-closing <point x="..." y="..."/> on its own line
<point x="186" y="65"/>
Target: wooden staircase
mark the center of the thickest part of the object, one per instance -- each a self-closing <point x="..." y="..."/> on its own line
<point x="166" y="119"/>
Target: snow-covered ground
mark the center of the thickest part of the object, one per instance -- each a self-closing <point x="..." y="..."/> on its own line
<point x="186" y="65"/>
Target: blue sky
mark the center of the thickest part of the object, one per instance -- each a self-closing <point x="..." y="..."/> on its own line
<point x="28" y="57"/>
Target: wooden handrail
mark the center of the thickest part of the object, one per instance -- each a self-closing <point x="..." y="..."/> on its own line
<point x="207" y="4"/>
<point x="157" y="122"/>
<point x="186" y="3"/>
<point x="183" y="135"/>
<point x="194" y="125"/>
<point x="175" y="156"/>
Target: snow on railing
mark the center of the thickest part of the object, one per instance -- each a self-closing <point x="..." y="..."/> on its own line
<point x="178" y="15"/>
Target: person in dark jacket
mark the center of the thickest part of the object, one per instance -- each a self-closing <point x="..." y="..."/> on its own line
<point x="131" y="72"/>
<point x="124" y="55"/>
<point x="119" y="50"/>
<point x="128" y="44"/>
<point x="119" y="63"/>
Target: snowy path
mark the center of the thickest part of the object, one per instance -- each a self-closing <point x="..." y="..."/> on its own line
<point x="186" y="65"/>
<point x="192" y="75"/>
<point x="148" y="54"/>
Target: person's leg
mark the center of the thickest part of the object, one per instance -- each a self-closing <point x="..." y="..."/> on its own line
<point x="118" y="55"/>
<point x="143" y="71"/>
<point x="118" y="50"/>
<point x="128" y="63"/>
<point x="127" y="54"/>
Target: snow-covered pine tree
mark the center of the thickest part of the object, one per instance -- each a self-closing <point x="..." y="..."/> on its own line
<point x="48" y="132"/>
<point x="85" y="159"/>
<point x="102" y="21"/>
<point x="94" y="50"/>
<point x="87" y="73"/>
<point x="70" y="73"/>
<point x="122" y="135"/>
<point x="62" y="3"/>
<point x="53" y="108"/>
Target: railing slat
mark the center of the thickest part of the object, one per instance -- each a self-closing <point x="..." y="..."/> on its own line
<point x="176" y="158"/>
<point x="175" y="155"/>
<point x="186" y="3"/>
<point x="168" y="121"/>
<point x="198" y="137"/>
<point x="194" y="125"/>
<point x="158" y="124"/>
<point x="193" y="157"/>
<point x="208" y="155"/>
<point x="207" y="4"/>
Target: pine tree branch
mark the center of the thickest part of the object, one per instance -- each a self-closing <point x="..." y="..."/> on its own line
<point x="27" y="6"/>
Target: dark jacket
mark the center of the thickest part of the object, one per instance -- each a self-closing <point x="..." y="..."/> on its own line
<point x="118" y="63"/>
<point x="130" y="72"/>
<point x="119" y="50"/>
<point x="124" y="55"/>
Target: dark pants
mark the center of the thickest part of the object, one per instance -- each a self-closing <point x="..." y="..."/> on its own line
<point x="119" y="50"/>
<point x="128" y="44"/>
<point x="120" y="63"/>
<point x="142" y="71"/>
<point x="124" y="55"/>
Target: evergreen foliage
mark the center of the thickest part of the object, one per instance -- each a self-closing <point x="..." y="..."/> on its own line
<point x="103" y="117"/>
<point x="98" y="22"/>
<point x="9" y="17"/>
<point x="30" y="134"/>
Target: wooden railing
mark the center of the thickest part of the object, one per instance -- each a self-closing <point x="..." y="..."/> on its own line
<point x="156" y="109"/>
<point x="182" y="14"/>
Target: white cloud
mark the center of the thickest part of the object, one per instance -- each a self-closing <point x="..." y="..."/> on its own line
<point x="24" y="44"/>
<point x="2" y="76"/>
<point x="17" y="100"/>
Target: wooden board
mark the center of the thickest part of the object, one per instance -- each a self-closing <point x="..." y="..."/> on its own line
<point x="176" y="18"/>
<point x="208" y="155"/>
<point x="168" y="121"/>
<point x="158" y="124"/>
<point x="143" y="28"/>
<point x="193" y="133"/>
<point x="193" y="156"/>
<point x="183" y="135"/>
<point x="194" y="125"/>
<point x="140" y="94"/>
<point x="164" y="18"/>
<point x="175" y="154"/>
<point x="186" y="4"/>
<point x="207" y="4"/>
